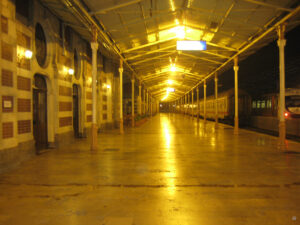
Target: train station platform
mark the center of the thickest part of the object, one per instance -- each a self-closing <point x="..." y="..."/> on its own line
<point x="171" y="170"/>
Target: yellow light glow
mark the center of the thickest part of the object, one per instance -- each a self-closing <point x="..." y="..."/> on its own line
<point x="208" y="36"/>
<point x="173" y="68"/>
<point x="172" y="5"/>
<point x="170" y="90"/>
<point x="166" y="96"/>
<point x="108" y="86"/>
<point x="89" y="81"/>
<point x="28" y="54"/>
<point x="170" y="82"/>
<point x="71" y="71"/>
<point x="23" y="53"/>
<point x="179" y="31"/>
<point x="151" y="37"/>
<point x="170" y="157"/>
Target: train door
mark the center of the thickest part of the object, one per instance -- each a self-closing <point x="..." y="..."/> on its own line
<point x="40" y="112"/>
<point x="76" y="110"/>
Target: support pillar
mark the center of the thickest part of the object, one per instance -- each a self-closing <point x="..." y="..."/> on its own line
<point x="282" y="126"/>
<point x="140" y="100"/>
<point x="144" y="101"/>
<point x="236" y="96"/>
<point x="180" y="105"/>
<point x="185" y="104"/>
<point x="193" y="104"/>
<point x="132" y="102"/>
<point x="147" y="102"/>
<point x="216" y="101"/>
<point x="151" y="109"/>
<point x="121" y="97"/>
<point x="204" y="102"/>
<point x="189" y="104"/>
<point x="198" y="106"/>
<point x="94" y="46"/>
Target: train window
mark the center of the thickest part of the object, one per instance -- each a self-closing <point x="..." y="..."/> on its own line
<point x="269" y="104"/>
<point x="263" y="104"/>
<point x="254" y="104"/>
<point x="292" y="101"/>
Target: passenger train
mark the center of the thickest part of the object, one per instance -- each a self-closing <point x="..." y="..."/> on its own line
<point x="225" y="107"/>
<point x="265" y="112"/>
<point x="258" y="112"/>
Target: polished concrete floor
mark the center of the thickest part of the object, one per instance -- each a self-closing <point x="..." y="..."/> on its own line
<point x="169" y="171"/>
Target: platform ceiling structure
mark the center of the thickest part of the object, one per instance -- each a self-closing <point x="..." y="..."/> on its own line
<point x="143" y="33"/>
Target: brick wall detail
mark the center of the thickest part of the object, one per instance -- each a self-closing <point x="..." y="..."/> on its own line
<point x="104" y="116"/>
<point x="65" y="121"/>
<point x="7" y="51"/>
<point x="89" y="95"/>
<point x="65" y="106"/>
<point x="4" y="24"/>
<point x="23" y="83"/>
<point x="24" y="105"/>
<point x="7" y="78"/>
<point x="65" y="91"/>
<point x="7" y="130"/>
<point x="89" y="118"/>
<point x="24" y="126"/>
<point x="89" y="107"/>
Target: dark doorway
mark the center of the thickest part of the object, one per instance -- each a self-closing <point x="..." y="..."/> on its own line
<point x="76" y="110"/>
<point x="40" y="112"/>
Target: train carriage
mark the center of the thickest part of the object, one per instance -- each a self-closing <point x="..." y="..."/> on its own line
<point x="225" y="103"/>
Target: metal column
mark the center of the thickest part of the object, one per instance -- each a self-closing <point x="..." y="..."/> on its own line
<point x="216" y="101"/>
<point x="132" y="102"/>
<point x="140" y="100"/>
<point x="94" y="46"/>
<point x="236" y="96"/>
<point x="198" y="106"/>
<point x="204" y="102"/>
<point x="282" y="126"/>
<point x="192" y="104"/>
<point x="121" y="97"/>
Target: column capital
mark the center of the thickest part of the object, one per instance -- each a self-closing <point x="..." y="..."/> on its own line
<point x="216" y="77"/>
<point x="235" y="68"/>
<point x="121" y="70"/>
<point x="132" y="80"/>
<point x="281" y="31"/>
<point x="236" y="61"/>
<point x="281" y="42"/>
<point x="94" y="46"/>
<point x="197" y="89"/>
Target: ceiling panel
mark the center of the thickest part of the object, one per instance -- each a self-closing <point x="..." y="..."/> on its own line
<point x="145" y="33"/>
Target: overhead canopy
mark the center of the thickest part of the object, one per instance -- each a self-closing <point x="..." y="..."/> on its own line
<point x="143" y="33"/>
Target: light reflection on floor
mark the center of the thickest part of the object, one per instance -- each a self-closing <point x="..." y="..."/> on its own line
<point x="170" y="158"/>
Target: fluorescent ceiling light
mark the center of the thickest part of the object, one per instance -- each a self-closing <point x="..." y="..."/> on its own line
<point x="191" y="45"/>
<point x="170" y="89"/>
<point x="173" y="68"/>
